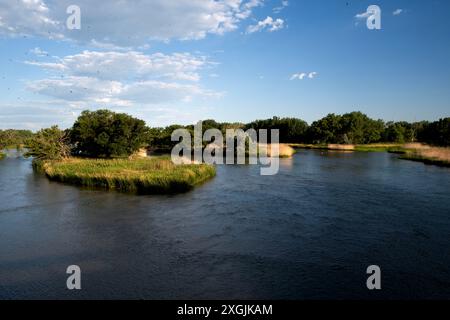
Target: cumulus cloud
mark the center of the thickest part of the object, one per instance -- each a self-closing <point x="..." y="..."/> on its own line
<point x="269" y="23"/>
<point x="115" y="65"/>
<point x="397" y="12"/>
<point x="125" y="23"/>
<point x="123" y="79"/>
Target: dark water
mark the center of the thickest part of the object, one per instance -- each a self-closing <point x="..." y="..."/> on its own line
<point x="310" y="232"/>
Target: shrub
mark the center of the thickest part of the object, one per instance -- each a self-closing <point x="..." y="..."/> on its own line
<point x="49" y="144"/>
<point x="106" y="134"/>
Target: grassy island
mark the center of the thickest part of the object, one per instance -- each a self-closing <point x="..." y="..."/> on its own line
<point x="142" y="176"/>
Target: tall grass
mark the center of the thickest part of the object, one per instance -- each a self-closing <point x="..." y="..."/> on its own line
<point x="427" y="154"/>
<point x="141" y="176"/>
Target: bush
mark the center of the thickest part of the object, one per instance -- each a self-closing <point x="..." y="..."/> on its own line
<point x="49" y="144"/>
<point x="106" y="134"/>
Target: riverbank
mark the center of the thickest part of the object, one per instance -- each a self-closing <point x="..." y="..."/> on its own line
<point x="411" y="151"/>
<point x="374" y="147"/>
<point x="142" y="176"/>
<point x="427" y="154"/>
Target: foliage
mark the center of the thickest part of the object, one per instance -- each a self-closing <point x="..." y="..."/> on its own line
<point x="291" y="129"/>
<point x="106" y="134"/>
<point x="49" y="144"/>
<point x="436" y="133"/>
<point x="14" y="138"/>
<point x="350" y="128"/>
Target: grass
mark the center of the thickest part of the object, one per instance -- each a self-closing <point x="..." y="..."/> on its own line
<point x="309" y="146"/>
<point x="374" y="147"/>
<point x="380" y="147"/>
<point x="2" y="155"/>
<point x="142" y="176"/>
<point x="427" y="154"/>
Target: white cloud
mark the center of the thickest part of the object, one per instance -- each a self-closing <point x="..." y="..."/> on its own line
<point x="303" y="75"/>
<point x="39" y="52"/>
<point x="269" y="23"/>
<point x="122" y="79"/>
<point x="284" y="4"/>
<point x="299" y="76"/>
<point x="397" y="12"/>
<point x="115" y="65"/>
<point x="125" y="23"/>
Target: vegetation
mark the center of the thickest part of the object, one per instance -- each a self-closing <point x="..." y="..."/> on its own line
<point x="106" y="134"/>
<point x="2" y="155"/>
<point x="292" y="130"/>
<point x="426" y="154"/>
<point x="412" y="156"/>
<point x="436" y="133"/>
<point x="49" y="144"/>
<point x="380" y="147"/>
<point x="350" y="128"/>
<point x="143" y="176"/>
<point x="13" y="138"/>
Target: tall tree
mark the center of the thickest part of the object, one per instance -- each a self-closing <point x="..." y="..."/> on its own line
<point x="104" y="133"/>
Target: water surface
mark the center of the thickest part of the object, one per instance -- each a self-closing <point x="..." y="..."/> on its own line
<point x="309" y="232"/>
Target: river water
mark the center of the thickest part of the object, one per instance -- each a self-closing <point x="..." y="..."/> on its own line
<point x="309" y="232"/>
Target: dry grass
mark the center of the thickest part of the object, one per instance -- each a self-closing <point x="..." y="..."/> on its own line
<point x="344" y="147"/>
<point x="284" y="150"/>
<point x="427" y="154"/>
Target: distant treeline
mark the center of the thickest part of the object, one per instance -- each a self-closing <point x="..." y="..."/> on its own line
<point x="349" y="128"/>
<point x="14" y="138"/>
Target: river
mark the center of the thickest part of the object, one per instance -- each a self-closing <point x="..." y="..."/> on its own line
<point x="309" y="232"/>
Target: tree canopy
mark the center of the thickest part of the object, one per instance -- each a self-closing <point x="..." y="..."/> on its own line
<point x="104" y="133"/>
<point x="49" y="144"/>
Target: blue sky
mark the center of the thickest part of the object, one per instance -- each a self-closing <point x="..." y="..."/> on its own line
<point x="180" y="61"/>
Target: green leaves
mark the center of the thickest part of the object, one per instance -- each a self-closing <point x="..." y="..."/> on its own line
<point x="107" y="134"/>
<point x="49" y="144"/>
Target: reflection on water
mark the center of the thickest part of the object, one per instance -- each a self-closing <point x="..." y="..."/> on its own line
<point x="308" y="232"/>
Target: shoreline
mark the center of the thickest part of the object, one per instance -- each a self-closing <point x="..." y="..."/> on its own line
<point x="430" y="155"/>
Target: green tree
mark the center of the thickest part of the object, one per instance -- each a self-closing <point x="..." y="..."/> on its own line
<point x="292" y="130"/>
<point x="437" y="133"/>
<point x="104" y="133"/>
<point x="326" y="130"/>
<point x="49" y="144"/>
<point x="14" y="138"/>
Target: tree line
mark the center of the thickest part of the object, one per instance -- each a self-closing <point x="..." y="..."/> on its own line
<point x="106" y="134"/>
<point x="349" y="128"/>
